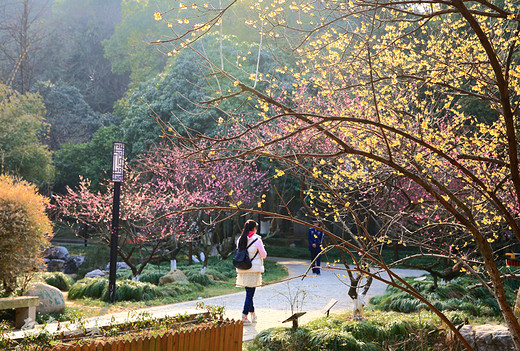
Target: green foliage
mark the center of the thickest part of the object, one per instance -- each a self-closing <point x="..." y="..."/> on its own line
<point x="177" y="94"/>
<point x="338" y="332"/>
<point x="96" y="256"/>
<point x="128" y="48"/>
<point x="68" y="116"/>
<point x="127" y="290"/>
<point x="59" y="280"/>
<point x="92" y="159"/>
<point x="21" y="121"/>
<point x="151" y="277"/>
<point x="76" y="30"/>
<point x="24" y="230"/>
<point x="88" y="287"/>
<point x="199" y="278"/>
<point x="456" y="295"/>
<point x="71" y="313"/>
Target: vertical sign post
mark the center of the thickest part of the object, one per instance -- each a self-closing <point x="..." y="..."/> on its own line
<point x="118" y="166"/>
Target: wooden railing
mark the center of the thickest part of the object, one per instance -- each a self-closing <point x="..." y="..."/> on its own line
<point x="226" y="336"/>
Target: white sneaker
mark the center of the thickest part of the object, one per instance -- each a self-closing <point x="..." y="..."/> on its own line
<point x="245" y="321"/>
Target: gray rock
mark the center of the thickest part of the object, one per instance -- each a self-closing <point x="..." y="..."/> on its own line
<point x="55" y="265"/>
<point x="51" y="298"/>
<point x="96" y="273"/>
<point x="57" y="252"/>
<point x="119" y="265"/>
<point x="488" y="337"/>
<point x="173" y="277"/>
<point x="73" y="263"/>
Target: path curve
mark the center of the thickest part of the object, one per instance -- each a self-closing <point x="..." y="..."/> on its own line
<point x="271" y="301"/>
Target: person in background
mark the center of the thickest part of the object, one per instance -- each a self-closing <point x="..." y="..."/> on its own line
<point x="315" y="238"/>
<point x="251" y="278"/>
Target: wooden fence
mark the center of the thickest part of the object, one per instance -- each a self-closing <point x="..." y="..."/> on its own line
<point x="224" y="337"/>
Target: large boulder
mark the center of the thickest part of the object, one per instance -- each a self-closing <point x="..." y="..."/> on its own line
<point x="57" y="253"/>
<point x="51" y="298"/>
<point x="119" y="265"/>
<point x="176" y="276"/>
<point x="73" y="263"/>
<point x="488" y="337"/>
<point x="96" y="273"/>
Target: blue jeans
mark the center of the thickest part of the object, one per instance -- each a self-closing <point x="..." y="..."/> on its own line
<point x="248" y="304"/>
<point x="316" y="251"/>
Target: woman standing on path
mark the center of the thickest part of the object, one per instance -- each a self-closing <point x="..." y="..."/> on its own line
<point x="251" y="278"/>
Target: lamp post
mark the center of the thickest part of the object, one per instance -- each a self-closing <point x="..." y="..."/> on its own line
<point x="118" y="167"/>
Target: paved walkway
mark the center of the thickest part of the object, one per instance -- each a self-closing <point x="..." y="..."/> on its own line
<point x="272" y="302"/>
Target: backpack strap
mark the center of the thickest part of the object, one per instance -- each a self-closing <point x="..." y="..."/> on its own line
<point x="252" y="242"/>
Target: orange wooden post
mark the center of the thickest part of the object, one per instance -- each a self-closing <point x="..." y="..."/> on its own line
<point x="214" y="338"/>
<point x="240" y="327"/>
<point x="196" y="339"/>
<point x="232" y="336"/>
<point x="205" y="338"/>
<point x="182" y="340"/>
<point x="169" y="342"/>
<point x="175" y="341"/>
<point x="220" y="339"/>
<point x="190" y="336"/>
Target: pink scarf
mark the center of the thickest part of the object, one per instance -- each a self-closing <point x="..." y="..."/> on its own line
<point x="250" y="234"/>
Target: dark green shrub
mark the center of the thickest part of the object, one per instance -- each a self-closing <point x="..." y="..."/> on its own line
<point x="380" y="331"/>
<point x="88" y="287"/>
<point x="459" y="294"/>
<point x="197" y="277"/>
<point x="123" y="274"/>
<point x="151" y="277"/>
<point x="128" y="290"/>
<point x="59" y="280"/>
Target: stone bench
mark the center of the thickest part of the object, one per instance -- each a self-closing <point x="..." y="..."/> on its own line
<point x="25" y="307"/>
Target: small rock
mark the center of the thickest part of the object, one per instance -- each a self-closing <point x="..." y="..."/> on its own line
<point x="72" y="264"/>
<point x="119" y="265"/>
<point x="96" y="273"/>
<point x="51" y="298"/>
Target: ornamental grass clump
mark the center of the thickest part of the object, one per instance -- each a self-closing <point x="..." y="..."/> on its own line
<point x="461" y="294"/>
<point x="380" y="331"/>
<point x="59" y="280"/>
<point x="128" y="290"/>
<point x="151" y="277"/>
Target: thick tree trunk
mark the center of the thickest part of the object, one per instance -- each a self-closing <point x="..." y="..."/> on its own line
<point x="516" y="310"/>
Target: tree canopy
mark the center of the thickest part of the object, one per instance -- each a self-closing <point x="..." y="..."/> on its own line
<point x="379" y="94"/>
<point x="21" y="122"/>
